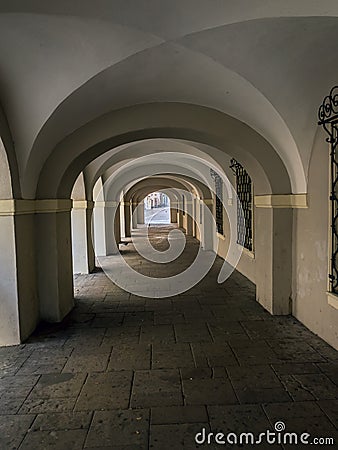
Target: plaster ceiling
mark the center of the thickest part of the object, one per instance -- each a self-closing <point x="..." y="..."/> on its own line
<point x="266" y="63"/>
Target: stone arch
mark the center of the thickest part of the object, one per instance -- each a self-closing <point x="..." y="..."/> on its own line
<point x="187" y="122"/>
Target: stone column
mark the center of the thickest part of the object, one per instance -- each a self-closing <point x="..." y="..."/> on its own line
<point x="208" y="225"/>
<point x="189" y="215"/>
<point x="112" y="227"/>
<point x="127" y="219"/>
<point x="273" y="252"/>
<point x="140" y="213"/>
<point x="54" y="258"/>
<point x="90" y="236"/>
<point x="82" y="247"/>
<point x="19" y="309"/>
<point x="173" y="212"/>
<point x="99" y="224"/>
<point x="134" y="215"/>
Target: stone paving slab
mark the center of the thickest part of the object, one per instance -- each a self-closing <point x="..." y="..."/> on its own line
<point x="13" y="429"/>
<point x="62" y="421"/>
<point x="50" y="405"/>
<point x="105" y="391"/>
<point x="157" y="333"/>
<point x="130" y="357"/>
<point x="56" y="440"/>
<point x="219" y="354"/>
<point x="208" y="392"/>
<point x="160" y="387"/>
<point x="122" y="335"/>
<point x="87" y="363"/>
<point x="10" y="403"/>
<point x="58" y="385"/>
<point x="295" y="368"/>
<point x="297" y="391"/>
<point x="330" y="408"/>
<point x="167" y="356"/>
<point x="119" y="428"/>
<point x="320" y="386"/>
<point x="192" y="333"/>
<point x="178" y="414"/>
<point x="167" y="437"/>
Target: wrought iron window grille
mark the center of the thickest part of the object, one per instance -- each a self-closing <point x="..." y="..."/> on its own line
<point x="244" y="198"/>
<point x="328" y="119"/>
<point x="219" y="200"/>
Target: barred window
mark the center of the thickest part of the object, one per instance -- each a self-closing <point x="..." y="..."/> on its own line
<point x="219" y="200"/>
<point x="328" y="118"/>
<point x="244" y="195"/>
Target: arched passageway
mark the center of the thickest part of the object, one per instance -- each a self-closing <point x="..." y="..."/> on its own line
<point x="214" y="105"/>
<point x="156" y="209"/>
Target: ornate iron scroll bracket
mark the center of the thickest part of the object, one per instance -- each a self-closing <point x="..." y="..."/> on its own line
<point x="235" y="166"/>
<point x="328" y="119"/>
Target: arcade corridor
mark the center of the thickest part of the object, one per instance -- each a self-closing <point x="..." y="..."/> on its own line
<point x="130" y="372"/>
<point x="210" y="127"/>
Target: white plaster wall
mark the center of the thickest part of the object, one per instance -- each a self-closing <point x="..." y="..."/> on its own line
<point x="311" y="237"/>
<point x="246" y="264"/>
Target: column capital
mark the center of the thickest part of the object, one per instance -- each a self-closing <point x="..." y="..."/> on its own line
<point x="83" y="204"/>
<point x="294" y="201"/>
<point x="108" y="204"/>
<point x="208" y="201"/>
<point x="16" y="207"/>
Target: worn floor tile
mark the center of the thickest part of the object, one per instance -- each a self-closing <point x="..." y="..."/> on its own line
<point x="160" y="387"/>
<point x="330" y="408"/>
<point x="54" y="440"/>
<point x="122" y="335"/>
<point x="62" y="421"/>
<point x="216" y="391"/>
<point x="176" y="436"/>
<point x="130" y="356"/>
<point x="58" y="385"/>
<point x="157" y="333"/>
<point x="219" y="354"/>
<point x="238" y="418"/>
<point x="198" y="332"/>
<point x="170" y="356"/>
<point x="109" y="390"/>
<point x="13" y="429"/>
<point x="41" y="405"/>
<point x="320" y="386"/>
<point x="119" y="428"/>
<point x="178" y="414"/>
<point x="87" y="362"/>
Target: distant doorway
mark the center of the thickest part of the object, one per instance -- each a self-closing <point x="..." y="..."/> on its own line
<point x="157" y="209"/>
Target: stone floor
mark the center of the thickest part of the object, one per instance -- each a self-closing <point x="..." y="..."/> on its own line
<point x="126" y="372"/>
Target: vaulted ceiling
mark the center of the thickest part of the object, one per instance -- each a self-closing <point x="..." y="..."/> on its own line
<point x="266" y="63"/>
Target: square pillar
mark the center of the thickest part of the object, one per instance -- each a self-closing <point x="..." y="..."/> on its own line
<point x="54" y="257"/>
<point x="19" y="310"/>
<point x="82" y="245"/>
